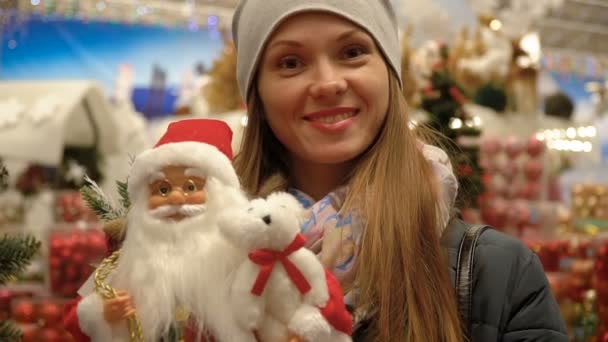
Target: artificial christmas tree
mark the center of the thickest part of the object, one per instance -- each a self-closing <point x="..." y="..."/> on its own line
<point x="15" y="254"/>
<point x="443" y="100"/>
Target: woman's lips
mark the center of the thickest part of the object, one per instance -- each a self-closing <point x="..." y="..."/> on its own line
<point x="332" y="120"/>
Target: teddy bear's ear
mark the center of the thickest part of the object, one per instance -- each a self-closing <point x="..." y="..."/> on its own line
<point x="285" y="199"/>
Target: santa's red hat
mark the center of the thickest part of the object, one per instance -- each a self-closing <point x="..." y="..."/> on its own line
<point x="202" y="144"/>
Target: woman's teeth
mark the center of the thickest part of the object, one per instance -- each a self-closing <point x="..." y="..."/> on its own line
<point x="334" y="118"/>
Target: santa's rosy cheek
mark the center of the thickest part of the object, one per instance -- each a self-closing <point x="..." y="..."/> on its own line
<point x="198" y="197"/>
<point x="156" y="201"/>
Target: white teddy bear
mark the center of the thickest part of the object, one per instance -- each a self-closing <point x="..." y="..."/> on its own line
<point x="282" y="287"/>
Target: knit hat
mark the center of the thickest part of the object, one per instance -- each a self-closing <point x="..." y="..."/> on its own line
<point x="203" y="144"/>
<point x="255" y="20"/>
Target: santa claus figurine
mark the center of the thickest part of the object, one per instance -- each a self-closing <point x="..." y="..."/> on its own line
<point x="177" y="190"/>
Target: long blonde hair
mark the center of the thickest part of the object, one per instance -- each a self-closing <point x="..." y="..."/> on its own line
<point x="402" y="270"/>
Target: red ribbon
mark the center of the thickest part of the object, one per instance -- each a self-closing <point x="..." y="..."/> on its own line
<point x="267" y="258"/>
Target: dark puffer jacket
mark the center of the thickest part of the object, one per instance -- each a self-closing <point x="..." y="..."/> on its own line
<point x="512" y="300"/>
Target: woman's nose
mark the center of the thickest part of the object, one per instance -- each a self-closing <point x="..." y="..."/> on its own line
<point x="328" y="82"/>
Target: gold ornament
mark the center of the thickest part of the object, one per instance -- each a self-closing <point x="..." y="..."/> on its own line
<point x="108" y="292"/>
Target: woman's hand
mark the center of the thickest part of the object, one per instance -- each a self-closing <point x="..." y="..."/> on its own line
<point x="119" y="308"/>
<point x="293" y="338"/>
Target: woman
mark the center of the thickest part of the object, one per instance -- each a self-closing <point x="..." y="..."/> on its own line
<point x="327" y="122"/>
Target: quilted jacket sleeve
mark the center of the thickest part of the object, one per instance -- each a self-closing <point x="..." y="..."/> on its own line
<point x="534" y="313"/>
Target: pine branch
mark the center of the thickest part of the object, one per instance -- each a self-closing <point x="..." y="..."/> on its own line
<point x="123" y="191"/>
<point x="9" y="332"/>
<point x="97" y="200"/>
<point x="15" y="255"/>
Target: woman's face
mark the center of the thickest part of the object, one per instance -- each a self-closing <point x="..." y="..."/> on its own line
<point x="324" y="87"/>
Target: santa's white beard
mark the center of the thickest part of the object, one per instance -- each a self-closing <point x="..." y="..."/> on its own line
<point x="166" y="264"/>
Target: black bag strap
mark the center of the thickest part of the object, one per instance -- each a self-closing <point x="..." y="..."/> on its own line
<point x="464" y="273"/>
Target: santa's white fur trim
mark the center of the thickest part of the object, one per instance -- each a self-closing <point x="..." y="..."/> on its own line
<point x="198" y="155"/>
<point x="91" y="320"/>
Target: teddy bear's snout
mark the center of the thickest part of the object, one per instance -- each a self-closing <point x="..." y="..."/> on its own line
<point x="266" y="219"/>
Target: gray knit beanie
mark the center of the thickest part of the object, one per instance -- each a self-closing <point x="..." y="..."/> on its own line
<point x="255" y="20"/>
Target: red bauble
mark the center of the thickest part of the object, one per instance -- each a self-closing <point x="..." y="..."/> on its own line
<point x="85" y="271"/>
<point x="67" y="289"/>
<point x="5" y="299"/>
<point x="96" y="244"/>
<point x="535" y="147"/>
<point x="24" y="312"/>
<point x="78" y="259"/>
<point x="65" y="253"/>
<point x="514" y="147"/>
<point x="54" y="263"/>
<point x="72" y="272"/>
<point x="490" y="146"/>
<point x="510" y="170"/>
<point x="533" y="169"/>
<point x="51" y="313"/>
<point x="500" y="210"/>
<point x="29" y="333"/>
<point x="532" y="191"/>
<point x="57" y="243"/>
<point x="50" y="335"/>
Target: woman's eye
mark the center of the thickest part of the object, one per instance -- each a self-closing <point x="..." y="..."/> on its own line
<point x="290" y="63"/>
<point x="354" y="51"/>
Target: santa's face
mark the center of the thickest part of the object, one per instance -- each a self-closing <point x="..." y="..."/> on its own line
<point x="176" y="192"/>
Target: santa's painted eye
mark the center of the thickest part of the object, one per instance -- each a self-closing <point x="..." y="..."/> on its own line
<point x="164" y="188"/>
<point x="250" y="209"/>
<point x="190" y="187"/>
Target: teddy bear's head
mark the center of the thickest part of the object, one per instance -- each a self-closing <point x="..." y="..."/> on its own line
<point x="270" y="223"/>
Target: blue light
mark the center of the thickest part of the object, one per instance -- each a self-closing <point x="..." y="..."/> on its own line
<point x="212" y="20"/>
<point x="35" y="2"/>
<point x="193" y="26"/>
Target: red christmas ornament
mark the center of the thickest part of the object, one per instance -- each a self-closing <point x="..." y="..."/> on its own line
<point x="51" y="313"/>
<point x="50" y="335"/>
<point x="96" y="244"/>
<point x="5" y="299"/>
<point x="67" y="290"/>
<point x="56" y="244"/>
<point x="510" y="170"/>
<point x="54" y="263"/>
<point x="72" y="273"/>
<point x="78" y="259"/>
<point x="535" y="147"/>
<point x="85" y="271"/>
<point x="24" y="312"/>
<point x="490" y="146"/>
<point x="514" y="147"/>
<point x="531" y="191"/>
<point x="533" y="170"/>
<point x="65" y="253"/>
<point x="29" y="333"/>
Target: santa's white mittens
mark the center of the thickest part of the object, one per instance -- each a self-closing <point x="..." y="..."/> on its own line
<point x="308" y="323"/>
<point x="91" y="320"/>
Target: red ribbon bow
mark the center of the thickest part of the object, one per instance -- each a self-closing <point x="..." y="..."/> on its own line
<point x="267" y="258"/>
